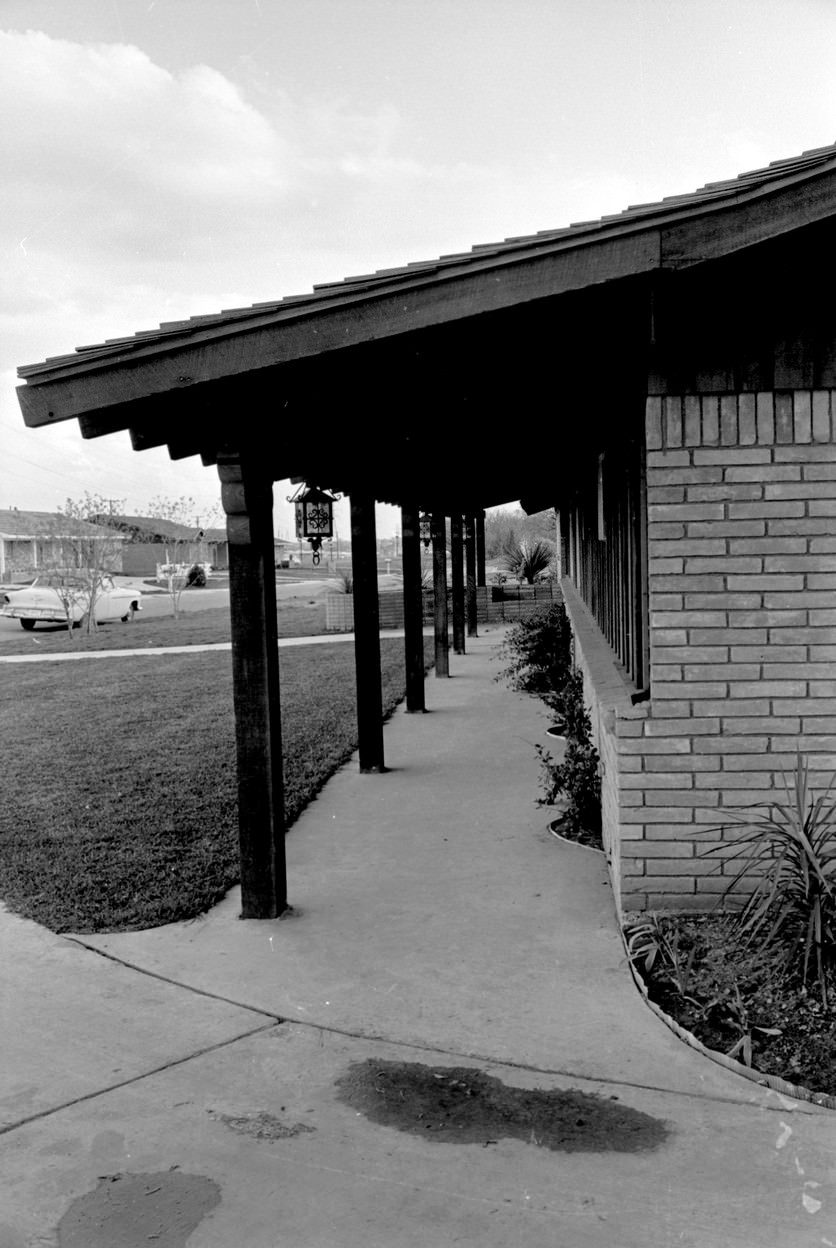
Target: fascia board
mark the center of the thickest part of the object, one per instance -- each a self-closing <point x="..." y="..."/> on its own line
<point x="87" y="384"/>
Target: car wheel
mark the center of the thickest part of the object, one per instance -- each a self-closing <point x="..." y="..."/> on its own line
<point x="27" y="624"/>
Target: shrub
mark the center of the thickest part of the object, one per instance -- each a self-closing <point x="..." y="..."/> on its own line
<point x="196" y="577"/>
<point x="576" y="777"/>
<point x="538" y="651"/>
<point x="569" y="708"/>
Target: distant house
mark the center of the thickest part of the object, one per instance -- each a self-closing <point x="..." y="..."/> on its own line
<point x="150" y="541"/>
<point x="32" y="540"/>
<point x="286" y="553"/>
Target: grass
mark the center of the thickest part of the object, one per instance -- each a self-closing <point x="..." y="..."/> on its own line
<point x="295" y="617"/>
<point x="120" y="797"/>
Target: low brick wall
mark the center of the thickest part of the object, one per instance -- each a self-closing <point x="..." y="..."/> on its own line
<point x="513" y="605"/>
<point x="607" y="695"/>
<point x="339" y="611"/>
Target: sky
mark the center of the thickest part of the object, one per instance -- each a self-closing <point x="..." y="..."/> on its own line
<point x="166" y="158"/>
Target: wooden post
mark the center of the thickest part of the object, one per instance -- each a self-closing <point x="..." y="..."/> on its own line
<point x="366" y="632"/>
<point x="470" y="574"/>
<point x="413" y="609"/>
<point x="247" y="497"/>
<point x="481" y="578"/>
<point x="457" y="582"/>
<point x="442" y="637"/>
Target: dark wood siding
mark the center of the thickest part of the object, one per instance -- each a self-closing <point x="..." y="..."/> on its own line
<point x="605" y="532"/>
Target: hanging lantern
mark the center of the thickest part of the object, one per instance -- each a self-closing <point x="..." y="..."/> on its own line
<point x="425" y="529"/>
<point x="314" y="518"/>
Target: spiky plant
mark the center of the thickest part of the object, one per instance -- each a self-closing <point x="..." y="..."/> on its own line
<point x="527" y="560"/>
<point x="790" y="848"/>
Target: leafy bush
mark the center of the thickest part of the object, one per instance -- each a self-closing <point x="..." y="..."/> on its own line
<point x="538" y="651"/>
<point x="196" y="577"/>
<point x="539" y="655"/>
<point x="576" y="777"/>
<point x="789" y="847"/>
<point x="569" y="709"/>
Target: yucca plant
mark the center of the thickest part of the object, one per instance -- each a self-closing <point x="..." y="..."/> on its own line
<point x="528" y="560"/>
<point x="791" y="847"/>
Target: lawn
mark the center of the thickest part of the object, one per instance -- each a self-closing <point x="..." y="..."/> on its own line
<point x="120" y="804"/>
<point x="296" y="617"/>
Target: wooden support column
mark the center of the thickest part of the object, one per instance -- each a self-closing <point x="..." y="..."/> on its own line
<point x="442" y="636"/>
<point x="413" y="609"/>
<point x="481" y="578"/>
<point x="247" y="497"/>
<point x="457" y="582"/>
<point x="366" y="632"/>
<point x="470" y="575"/>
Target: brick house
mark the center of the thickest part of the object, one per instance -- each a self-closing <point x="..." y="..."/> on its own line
<point x="700" y="547"/>
<point x="33" y="540"/>
<point x="663" y="377"/>
<point x="150" y="541"/>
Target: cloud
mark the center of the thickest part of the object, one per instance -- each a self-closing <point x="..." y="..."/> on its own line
<point x="135" y="195"/>
<point x="122" y="174"/>
<point x="123" y="158"/>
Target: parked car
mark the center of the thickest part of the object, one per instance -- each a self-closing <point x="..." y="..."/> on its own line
<point x="58" y="597"/>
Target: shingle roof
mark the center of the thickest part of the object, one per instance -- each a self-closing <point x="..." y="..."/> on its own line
<point x="24" y="525"/>
<point x="149" y="528"/>
<point x="637" y="217"/>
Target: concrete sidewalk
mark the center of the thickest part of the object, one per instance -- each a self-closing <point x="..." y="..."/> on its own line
<point x="180" y="1084"/>
<point x="319" y="639"/>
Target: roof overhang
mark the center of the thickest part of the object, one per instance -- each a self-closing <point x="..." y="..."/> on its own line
<point x="424" y="354"/>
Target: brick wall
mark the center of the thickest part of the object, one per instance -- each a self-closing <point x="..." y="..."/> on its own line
<point x="339" y="608"/>
<point x="741" y="573"/>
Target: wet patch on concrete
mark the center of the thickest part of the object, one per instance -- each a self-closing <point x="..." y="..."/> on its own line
<point x="464" y="1105"/>
<point x="139" y="1209"/>
<point x="263" y="1126"/>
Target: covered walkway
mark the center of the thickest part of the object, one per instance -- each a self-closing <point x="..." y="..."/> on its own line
<point x="436" y="923"/>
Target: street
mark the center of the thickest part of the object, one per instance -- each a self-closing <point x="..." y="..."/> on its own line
<point x="156" y="602"/>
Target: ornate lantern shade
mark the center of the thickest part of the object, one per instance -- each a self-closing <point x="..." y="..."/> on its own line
<point x="314" y="518"/>
<point x="425" y="529"/>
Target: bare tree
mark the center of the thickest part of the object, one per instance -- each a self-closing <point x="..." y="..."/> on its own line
<point x="83" y="554"/>
<point x="183" y="550"/>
